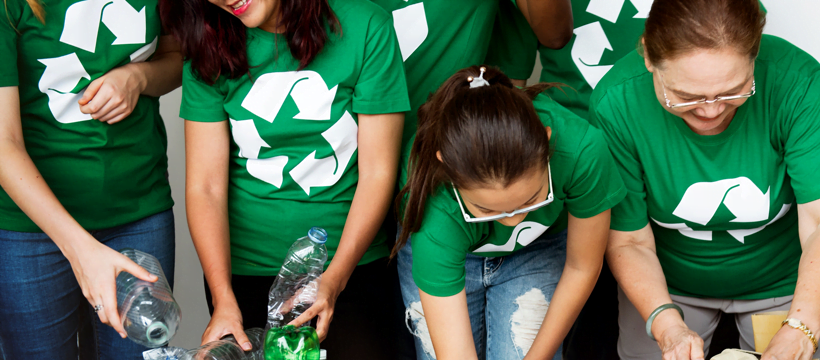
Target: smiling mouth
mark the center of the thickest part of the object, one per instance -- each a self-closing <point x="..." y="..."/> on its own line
<point x="705" y="119"/>
<point x="240" y="6"/>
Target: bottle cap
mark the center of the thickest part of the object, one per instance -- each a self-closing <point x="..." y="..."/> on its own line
<point x="318" y="235"/>
<point x="322" y="354"/>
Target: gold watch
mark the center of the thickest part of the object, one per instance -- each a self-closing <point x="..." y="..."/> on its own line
<point x="797" y="324"/>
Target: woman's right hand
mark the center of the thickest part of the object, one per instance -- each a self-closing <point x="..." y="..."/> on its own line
<point x="226" y="320"/>
<point x="678" y="342"/>
<point x="96" y="267"/>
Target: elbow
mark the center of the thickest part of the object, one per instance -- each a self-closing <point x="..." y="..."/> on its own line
<point x="556" y="40"/>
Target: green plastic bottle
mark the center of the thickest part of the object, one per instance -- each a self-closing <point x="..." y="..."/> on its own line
<point x="292" y="343"/>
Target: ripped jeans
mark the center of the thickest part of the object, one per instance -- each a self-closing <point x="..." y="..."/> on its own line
<point x="507" y="298"/>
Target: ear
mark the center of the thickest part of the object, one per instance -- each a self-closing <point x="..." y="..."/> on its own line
<point x="549" y="132"/>
<point x="646" y="62"/>
<point x="438" y="156"/>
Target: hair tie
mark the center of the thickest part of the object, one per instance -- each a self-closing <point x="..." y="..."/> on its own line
<point x="479" y="81"/>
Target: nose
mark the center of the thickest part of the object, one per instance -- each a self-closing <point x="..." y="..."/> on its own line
<point x="710" y="110"/>
<point x="512" y="221"/>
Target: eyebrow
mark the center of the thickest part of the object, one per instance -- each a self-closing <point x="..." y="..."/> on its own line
<point x="733" y="91"/>
<point x="528" y="201"/>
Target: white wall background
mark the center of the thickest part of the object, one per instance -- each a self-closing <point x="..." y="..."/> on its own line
<point x="794" y="20"/>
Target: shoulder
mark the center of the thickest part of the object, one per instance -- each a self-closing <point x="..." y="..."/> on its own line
<point x="787" y="59"/>
<point x="626" y="73"/>
<point x="569" y="131"/>
<point x="356" y="12"/>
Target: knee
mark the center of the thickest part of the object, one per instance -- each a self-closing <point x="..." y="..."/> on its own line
<point x="527" y="319"/>
<point x="416" y="323"/>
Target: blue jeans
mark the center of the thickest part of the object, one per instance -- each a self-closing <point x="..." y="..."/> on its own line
<point x="42" y="308"/>
<point x="507" y="298"/>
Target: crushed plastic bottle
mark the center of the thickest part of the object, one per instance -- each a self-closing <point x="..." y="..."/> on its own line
<point x="291" y="343"/>
<point x="295" y="288"/>
<point x="224" y="349"/>
<point x="149" y="313"/>
<point x="257" y="339"/>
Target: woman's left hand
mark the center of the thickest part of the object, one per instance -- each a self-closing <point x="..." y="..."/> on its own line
<point x="789" y="344"/>
<point x="323" y="307"/>
<point x="113" y="96"/>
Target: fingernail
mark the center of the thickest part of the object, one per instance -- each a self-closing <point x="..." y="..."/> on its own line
<point x="246" y="346"/>
<point x="122" y="335"/>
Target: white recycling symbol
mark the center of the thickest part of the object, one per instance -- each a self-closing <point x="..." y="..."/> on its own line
<point x="740" y="195"/>
<point x="314" y="100"/>
<point x="411" y="28"/>
<point x="591" y="41"/>
<point x="82" y="22"/>
<point x="524" y="233"/>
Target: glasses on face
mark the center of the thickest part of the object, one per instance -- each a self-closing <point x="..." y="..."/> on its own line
<point x="670" y="105"/>
<point x="502" y="215"/>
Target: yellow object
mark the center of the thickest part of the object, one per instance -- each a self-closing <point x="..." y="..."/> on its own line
<point x="765" y="325"/>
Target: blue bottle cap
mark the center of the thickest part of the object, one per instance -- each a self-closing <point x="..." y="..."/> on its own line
<point x="318" y="235"/>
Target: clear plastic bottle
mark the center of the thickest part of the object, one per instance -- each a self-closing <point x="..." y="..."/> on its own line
<point x="148" y="311"/>
<point x="257" y="338"/>
<point x="296" y="285"/>
<point x="218" y="350"/>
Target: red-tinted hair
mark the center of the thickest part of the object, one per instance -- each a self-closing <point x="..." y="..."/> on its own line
<point x="215" y="41"/>
<point x="675" y="27"/>
<point x="486" y="135"/>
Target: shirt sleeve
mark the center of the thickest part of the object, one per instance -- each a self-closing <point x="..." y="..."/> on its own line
<point x="200" y="101"/>
<point x="513" y="45"/>
<point x="10" y="15"/>
<point x="381" y="87"/>
<point x="802" y="142"/>
<point x="631" y="213"/>
<point x="440" y="248"/>
<point x="596" y="184"/>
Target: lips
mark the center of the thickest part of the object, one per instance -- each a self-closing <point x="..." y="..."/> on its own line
<point x="705" y="119"/>
<point x="240" y="6"/>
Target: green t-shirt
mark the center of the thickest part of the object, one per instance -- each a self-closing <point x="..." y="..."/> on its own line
<point x="723" y="207"/>
<point x="585" y="180"/>
<point x="437" y="39"/>
<point x="513" y="43"/>
<point x="104" y="175"/>
<point x="294" y="159"/>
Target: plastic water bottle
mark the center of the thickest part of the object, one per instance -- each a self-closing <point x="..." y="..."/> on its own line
<point x="149" y="314"/>
<point x="295" y="288"/>
<point x="224" y="349"/>
<point x="257" y="338"/>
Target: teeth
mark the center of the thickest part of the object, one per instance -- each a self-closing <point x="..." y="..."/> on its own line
<point x="240" y="4"/>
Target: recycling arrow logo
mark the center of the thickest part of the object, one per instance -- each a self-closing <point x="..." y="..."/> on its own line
<point x="524" y="233"/>
<point x="411" y="28"/>
<point x="741" y="197"/>
<point x="591" y="41"/>
<point x="80" y="29"/>
<point x="314" y="100"/>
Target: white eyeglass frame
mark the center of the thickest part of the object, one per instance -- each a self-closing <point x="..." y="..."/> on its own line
<point x="704" y="101"/>
<point x="469" y="219"/>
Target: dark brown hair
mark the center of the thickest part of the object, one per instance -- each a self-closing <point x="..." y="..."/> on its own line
<point x="215" y="42"/>
<point x="486" y="135"/>
<point x="675" y="27"/>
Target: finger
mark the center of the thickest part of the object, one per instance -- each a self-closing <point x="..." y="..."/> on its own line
<point x="111" y="114"/>
<point x="323" y="324"/>
<point x="136" y="270"/>
<point x="306" y="316"/>
<point x="97" y="300"/>
<point x="117" y="119"/>
<point x="112" y="313"/>
<point x="109" y="108"/>
<point x="696" y="349"/>
<point x="91" y="91"/>
<point x="242" y="339"/>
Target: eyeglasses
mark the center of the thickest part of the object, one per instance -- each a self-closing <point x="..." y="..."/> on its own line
<point x="704" y="101"/>
<point x="470" y="219"/>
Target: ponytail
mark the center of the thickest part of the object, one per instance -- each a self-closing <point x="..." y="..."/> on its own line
<point x="487" y="134"/>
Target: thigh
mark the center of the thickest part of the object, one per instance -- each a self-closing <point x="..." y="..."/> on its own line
<point x="363" y="325"/>
<point x="596" y="324"/>
<point x="700" y="315"/>
<point x="744" y="309"/>
<point x="520" y="294"/>
<point x="39" y="299"/>
<point x="153" y="235"/>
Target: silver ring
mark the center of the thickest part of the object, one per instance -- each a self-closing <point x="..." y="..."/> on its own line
<point x="97" y="308"/>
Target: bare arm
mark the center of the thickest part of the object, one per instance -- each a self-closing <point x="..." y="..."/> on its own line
<point x="95" y="265"/>
<point x="586" y="244"/>
<point x="551" y="20"/>
<point x="207" y="153"/>
<point x="379" y="145"/>
<point x="789" y="342"/>
<point x="634" y="263"/>
<point x="448" y="321"/>
<point x="113" y="96"/>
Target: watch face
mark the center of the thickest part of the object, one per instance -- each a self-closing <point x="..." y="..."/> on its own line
<point x="794" y="322"/>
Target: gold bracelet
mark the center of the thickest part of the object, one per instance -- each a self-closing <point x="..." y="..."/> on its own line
<point x="797" y="324"/>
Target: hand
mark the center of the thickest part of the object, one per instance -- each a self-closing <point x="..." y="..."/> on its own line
<point x="323" y="307"/>
<point x="113" y="96"/>
<point x="226" y="320"/>
<point x="679" y="343"/>
<point x="96" y="267"/>
<point x="789" y="344"/>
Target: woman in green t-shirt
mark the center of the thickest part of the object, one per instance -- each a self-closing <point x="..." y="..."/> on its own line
<point x="82" y="169"/>
<point x="508" y="203"/>
<point x="293" y="115"/>
<point x="716" y="131"/>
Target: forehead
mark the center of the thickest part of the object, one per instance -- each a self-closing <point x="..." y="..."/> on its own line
<point x="705" y="71"/>
<point x="498" y="197"/>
